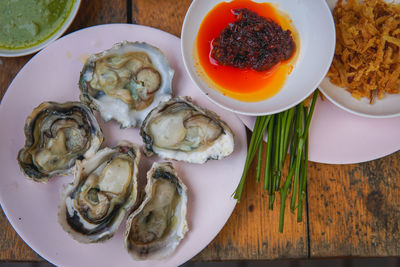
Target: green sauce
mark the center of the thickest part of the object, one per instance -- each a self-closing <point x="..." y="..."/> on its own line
<point x="26" y="23"/>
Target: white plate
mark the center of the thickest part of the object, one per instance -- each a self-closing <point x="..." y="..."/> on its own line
<point x="315" y="26"/>
<point x="46" y="42"/>
<point x="387" y="107"/>
<point x="339" y="137"/>
<point x="32" y="207"/>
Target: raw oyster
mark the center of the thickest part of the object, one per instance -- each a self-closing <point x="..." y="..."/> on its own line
<point x="126" y="82"/>
<point x="180" y="130"/>
<point x="155" y="229"/>
<point x="104" y="189"/>
<point x="57" y="134"/>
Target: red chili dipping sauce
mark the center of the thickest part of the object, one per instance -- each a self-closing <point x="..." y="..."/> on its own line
<point x="232" y="51"/>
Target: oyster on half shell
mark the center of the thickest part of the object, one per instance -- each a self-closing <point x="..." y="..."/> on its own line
<point x="125" y="82"/>
<point x="104" y="189"/>
<point x="180" y="130"/>
<point x="156" y="228"/>
<point x="57" y="134"/>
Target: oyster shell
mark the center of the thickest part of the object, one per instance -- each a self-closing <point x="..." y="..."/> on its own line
<point x="57" y="134"/>
<point x="125" y="82"/>
<point x="155" y="229"/>
<point x="180" y="130"/>
<point x="104" y="189"/>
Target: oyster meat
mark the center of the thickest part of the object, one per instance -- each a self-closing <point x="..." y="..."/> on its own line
<point x="125" y="82"/>
<point x="104" y="189"/>
<point x="57" y="134"/>
<point x="180" y="130"/>
<point x="155" y="229"/>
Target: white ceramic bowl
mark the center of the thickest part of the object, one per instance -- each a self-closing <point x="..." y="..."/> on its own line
<point x="56" y="35"/>
<point x="387" y="107"/>
<point x="314" y="23"/>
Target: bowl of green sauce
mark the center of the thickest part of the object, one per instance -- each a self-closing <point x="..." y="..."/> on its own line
<point x="27" y="26"/>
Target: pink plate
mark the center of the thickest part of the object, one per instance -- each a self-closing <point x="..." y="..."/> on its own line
<point x="339" y="137"/>
<point x="32" y="207"/>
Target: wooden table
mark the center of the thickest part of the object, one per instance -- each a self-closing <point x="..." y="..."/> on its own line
<point x="352" y="210"/>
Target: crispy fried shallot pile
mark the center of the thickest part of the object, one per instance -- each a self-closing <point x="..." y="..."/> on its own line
<point x="367" y="56"/>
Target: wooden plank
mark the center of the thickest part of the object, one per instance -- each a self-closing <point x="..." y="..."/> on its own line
<point x="9" y="68"/>
<point x="100" y="12"/>
<point x="12" y="248"/>
<point x="165" y="15"/>
<point x="252" y="230"/>
<point x="354" y="210"/>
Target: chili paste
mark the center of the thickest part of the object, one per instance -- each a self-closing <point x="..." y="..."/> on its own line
<point x="252" y="42"/>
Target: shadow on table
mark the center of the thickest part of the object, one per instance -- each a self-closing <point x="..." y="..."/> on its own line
<point x="373" y="262"/>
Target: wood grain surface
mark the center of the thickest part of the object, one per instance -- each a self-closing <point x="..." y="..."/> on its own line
<point x="166" y="15"/>
<point x="9" y="67"/>
<point x="352" y="210"/>
<point x="355" y="209"/>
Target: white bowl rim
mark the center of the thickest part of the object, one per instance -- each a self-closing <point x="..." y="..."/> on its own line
<point x="46" y="42"/>
<point x="339" y="103"/>
<point x="353" y="111"/>
<point x="309" y="92"/>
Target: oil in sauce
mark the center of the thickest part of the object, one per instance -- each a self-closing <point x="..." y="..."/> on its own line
<point x="242" y="84"/>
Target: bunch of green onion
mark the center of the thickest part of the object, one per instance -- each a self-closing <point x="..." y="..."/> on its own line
<point x="287" y="132"/>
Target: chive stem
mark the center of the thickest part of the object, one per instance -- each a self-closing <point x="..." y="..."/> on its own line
<point x="284" y="191"/>
<point x="258" y="133"/>
<point x="267" y="171"/>
<point x="303" y="182"/>
<point x="277" y="136"/>
<point x="299" y="132"/>
<point x="271" y="199"/>
<point x="258" y="170"/>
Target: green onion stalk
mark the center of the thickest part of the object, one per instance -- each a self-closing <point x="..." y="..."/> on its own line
<point x="256" y="138"/>
<point x="287" y="132"/>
